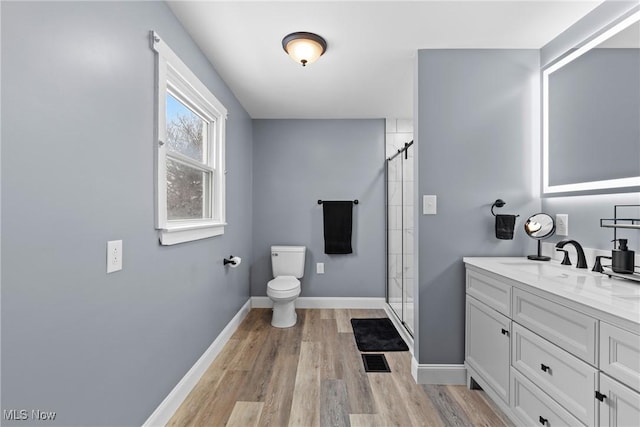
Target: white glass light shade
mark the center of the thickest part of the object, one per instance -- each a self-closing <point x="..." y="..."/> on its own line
<point x="304" y="48"/>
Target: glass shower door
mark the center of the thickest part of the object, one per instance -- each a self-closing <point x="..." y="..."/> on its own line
<point x="394" y="235"/>
<point x="407" y="238"/>
<point x="400" y="233"/>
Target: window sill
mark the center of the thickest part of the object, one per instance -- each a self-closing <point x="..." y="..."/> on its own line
<point x="182" y="234"/>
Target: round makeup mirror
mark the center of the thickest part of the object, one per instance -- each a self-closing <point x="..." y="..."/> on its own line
<point x="539" y="227"/>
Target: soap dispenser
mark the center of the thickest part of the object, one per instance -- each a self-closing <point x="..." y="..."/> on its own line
<point x="622" y="259"/>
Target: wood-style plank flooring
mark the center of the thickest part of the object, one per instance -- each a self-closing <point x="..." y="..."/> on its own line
<point x="312" y="375"/>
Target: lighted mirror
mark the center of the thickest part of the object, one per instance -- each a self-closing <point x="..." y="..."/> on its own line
<point x="591" y="111"/>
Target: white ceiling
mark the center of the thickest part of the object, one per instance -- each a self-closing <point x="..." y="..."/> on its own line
<point x="368" y="69"/>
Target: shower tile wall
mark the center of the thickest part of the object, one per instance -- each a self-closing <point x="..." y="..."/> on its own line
<point x="400" y="210"/>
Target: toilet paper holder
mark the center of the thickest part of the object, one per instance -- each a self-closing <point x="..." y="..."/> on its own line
<point x="231" y="260"/>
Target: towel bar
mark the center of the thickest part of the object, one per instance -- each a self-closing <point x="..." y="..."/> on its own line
<point x="355" y="202"/>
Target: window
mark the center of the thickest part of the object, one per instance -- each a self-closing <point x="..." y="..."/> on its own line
<point x="190" y="142"/>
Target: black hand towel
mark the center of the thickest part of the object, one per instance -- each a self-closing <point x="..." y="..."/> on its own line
<point x="504" y="226"/>
<point x="338" y="218"/>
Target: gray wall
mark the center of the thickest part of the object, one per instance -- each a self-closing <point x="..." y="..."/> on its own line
<point x="297" y="162"/>
<point x="77" y="170"/>
<point x="585" y="211"/>
<point x="584" y="218"/>
<point x="478" y="140"/>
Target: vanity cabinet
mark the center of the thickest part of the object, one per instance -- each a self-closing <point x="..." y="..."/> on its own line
<point x="546" y="360"/>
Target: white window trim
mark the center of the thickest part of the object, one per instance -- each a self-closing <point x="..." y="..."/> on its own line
<point x="172" y="72"/>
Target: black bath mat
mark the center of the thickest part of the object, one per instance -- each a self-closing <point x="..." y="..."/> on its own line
<point x="375" y="363"/>
<point x="377" y="335"/>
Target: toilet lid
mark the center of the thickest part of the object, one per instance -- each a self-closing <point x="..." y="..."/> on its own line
<point x="283" y="283"/>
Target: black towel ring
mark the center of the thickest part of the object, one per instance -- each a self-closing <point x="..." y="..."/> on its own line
<point x="498" y="204"/>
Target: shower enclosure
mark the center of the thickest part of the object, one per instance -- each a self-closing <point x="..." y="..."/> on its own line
<point x="400" y="271"/>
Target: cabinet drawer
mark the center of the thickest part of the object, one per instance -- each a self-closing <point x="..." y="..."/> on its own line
<point x="567" y="328"/>
<point x="565" y="378"/>
<point x="487" y="345"/>
<point x="490" y="291"/>
<point x="533" y="407"/>
<point x="620" y="354"/>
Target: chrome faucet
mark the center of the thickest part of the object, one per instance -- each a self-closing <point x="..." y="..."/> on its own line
<point x="582" y="261"/>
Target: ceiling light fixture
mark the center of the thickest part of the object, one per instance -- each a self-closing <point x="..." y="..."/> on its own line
<point x="304" y="48"/>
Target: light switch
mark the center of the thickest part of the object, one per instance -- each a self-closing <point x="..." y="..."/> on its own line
<point x="429" y="205"/>
<point x="320" y="268"/>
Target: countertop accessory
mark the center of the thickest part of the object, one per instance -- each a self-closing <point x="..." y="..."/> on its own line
<point x="628" y="222"/>
<point x="617" y="222"/>
<point x="539" y="226"/>
<point x="634" y="277"/>
<point x="622" y="259"/>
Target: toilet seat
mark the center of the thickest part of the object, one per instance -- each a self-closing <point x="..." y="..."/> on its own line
<point x="283" y="287"/>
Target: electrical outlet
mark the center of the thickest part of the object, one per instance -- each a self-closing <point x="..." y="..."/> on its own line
<point x="562" y="224"/>
<point x="114" y="256"/>
<point x="320" y="268"/>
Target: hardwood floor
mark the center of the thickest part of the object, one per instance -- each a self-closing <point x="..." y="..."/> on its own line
<point x="312" y="375"/>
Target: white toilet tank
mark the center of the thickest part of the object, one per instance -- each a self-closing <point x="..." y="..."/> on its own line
<point x="288" y="261"/>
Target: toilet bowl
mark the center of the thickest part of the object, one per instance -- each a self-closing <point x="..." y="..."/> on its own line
<point x="287" y="263"/>
<point x="283" y="291"/>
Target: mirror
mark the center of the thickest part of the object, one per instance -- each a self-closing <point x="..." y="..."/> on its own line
<point x="539" y="227"/>
<point x="591" y="105"/>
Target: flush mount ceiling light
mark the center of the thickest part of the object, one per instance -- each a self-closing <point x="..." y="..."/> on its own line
<point x="304" y="48"/>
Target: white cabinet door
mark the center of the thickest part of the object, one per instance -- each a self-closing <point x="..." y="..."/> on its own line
<point x="620" y="354"/>
<point x="620" y="405"/>
<point x="488" y="346"/>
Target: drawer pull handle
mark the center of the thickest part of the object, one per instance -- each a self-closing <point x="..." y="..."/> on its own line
<point x="505" y="332"/>
<point x="544" y="367"/>
<point x="600" y="396"/>
<point x="543" y="421"/>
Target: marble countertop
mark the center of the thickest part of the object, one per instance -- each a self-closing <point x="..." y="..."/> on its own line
<point x="615" y="297"/>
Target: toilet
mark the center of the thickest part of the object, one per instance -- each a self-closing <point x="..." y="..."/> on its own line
<point x="287" y="263"/>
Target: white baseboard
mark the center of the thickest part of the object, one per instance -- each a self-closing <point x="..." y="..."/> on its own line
<point x="172" y="402"/>
<point x="438" y="374"/>
<point x="324" y="302"/>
